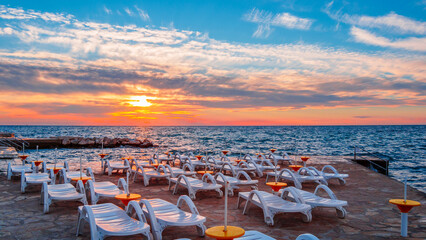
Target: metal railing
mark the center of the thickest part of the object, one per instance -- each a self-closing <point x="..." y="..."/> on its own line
<point x="15" y="142"/>
<point x="365" y="155"/>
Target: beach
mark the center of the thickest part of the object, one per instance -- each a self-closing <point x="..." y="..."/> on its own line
<point x="369" y="213"/>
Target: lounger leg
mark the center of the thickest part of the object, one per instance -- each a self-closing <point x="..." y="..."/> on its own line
<point x="238" y="201"/>
<point x="307" y="216"/>
<point x="109" y="171"/>
<point x="80" y="225"/>
<point x="341" y="212"/>
<point x="201" y="229"/>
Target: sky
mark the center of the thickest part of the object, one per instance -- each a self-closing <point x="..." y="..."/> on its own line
<point x="248" y="62"/>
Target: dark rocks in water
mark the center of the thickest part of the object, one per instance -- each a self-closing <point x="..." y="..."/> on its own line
<point x="82" y="142"/>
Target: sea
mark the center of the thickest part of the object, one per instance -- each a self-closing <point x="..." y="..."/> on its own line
<point x="404" y="145"/>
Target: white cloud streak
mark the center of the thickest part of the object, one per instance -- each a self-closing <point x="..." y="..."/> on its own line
<point x="107" y="10"/>
<point x="390" y="24"/>
<point x="144" y="15"/>
<point x="412" y="43"/>
<point x="265" y="19"/>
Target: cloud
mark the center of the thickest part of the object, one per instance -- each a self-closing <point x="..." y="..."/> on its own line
<point x="412" y="43"/>
<point x="128" y="11"/>
<point x="190" y="71"/>
<point x="144" y="15"/>
<point x="393" y="22"/>
<point x="265" y="19"/>
<point x="20" y="14"/>
<point x="362" y="116"/>
<point x="390" y="24"/>
<point x="107" y="10"/>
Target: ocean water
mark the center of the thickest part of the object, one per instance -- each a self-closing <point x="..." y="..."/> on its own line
<point x="405" y="145"/>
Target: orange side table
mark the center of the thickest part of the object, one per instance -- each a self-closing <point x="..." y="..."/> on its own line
<point x="37" y="163"/>
<point x="102" y="155"/>
<point x="276" y="186"/>
<point x="125" y="199"/>
<point x="83" y="179"/>
<point x="55" y="170"/>
<point x="204" y="172"/>
<point x="219" y="232"/>
<point x="295" y="167"/>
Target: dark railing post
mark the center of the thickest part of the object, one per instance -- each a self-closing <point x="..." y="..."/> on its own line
<point x="354" y="153"/>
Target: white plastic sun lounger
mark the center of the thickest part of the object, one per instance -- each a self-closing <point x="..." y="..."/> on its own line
<point x="303" y="175"/>
<point x="13" y="170"/>
<point x="195" y="163"/>
<point x="166" y="158"/>
<point x="279" y="159"/>
<point x="254" y="235"/>
<point x="108" y="219"/>
<point x="186" y="170"/>
<point x="242" y="166"/>
<point x="147" y="174"/>
<point x="35" y="179"/>
<point x="163" y="214"/>
<point x="67" y="176"/>
<point x="315" y="200"/>
<point x="116" y="165"/>
<point x="45" y="166"/>
<point x="306" y="236"/>
<point x="99" y="190"/>
<point x="194" y="185"/>
<point x="334" y="174"/>
<point x="236" y="182"/>
<point x="62" y="192"/>
<point x="272" y="204"/>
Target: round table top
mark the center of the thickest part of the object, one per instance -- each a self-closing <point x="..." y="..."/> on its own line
<point x="296" y="167"/>
<point x="55" y="168"/>
<point x="304" y="158"/>
<point x="272" y="150"/>
<point x="81" y="178"/>
<point x="199" y="157"/>
<point x="225" y="152"/>
<point x="219" y="233"/>
<point x="280" y="184"/>
<point x="103" y="154"/>
<point x="240" y="160"/>
<point x="410" y="203"/>
<point x="132" y="196"/>
<point x="23" y="156"/>
<point x="204" y="172"/>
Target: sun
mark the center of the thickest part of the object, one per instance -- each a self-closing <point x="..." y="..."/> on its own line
<point x="139" y="101"/>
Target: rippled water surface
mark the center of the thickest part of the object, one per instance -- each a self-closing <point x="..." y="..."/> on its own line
<point x="406" y="145"/>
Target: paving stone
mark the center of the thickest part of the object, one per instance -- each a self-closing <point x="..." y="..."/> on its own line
<point x="370" y="216"/>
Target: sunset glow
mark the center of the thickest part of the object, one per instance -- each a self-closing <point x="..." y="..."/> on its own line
<point x="305" y="63"/>
<point x="139" y="101"/>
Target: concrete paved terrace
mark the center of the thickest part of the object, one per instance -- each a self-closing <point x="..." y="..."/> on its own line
<point x="370" y="216"/>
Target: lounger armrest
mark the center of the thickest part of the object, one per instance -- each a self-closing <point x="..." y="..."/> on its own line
<point x="185" y="199"/>
<point x="134" y="208"/>
<point x="151" y="215"/>
<point x="231" y="168"/>
<point x="219" y="174"/>
<point x="307" y="236"/>
<point x="243" y="173"/>
<point x="90" y="217"/>
<point x="187" y="166"/>
<point x="161" y="168"/>
<point x="330" y="168"/>
<point x="207" y="177"/>
<point x="89" y="172"/>
<point x="122" y="184"/>
<point x="327" y="190"/>
<point x="296" y="181"/>
<point x="315" y="171"/>
<point x="80" y="187"/>
<point x="297" y="197"/>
